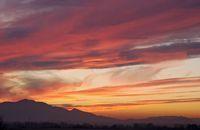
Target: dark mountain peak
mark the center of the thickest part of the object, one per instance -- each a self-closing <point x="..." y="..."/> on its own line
<point x="75" y="110"/>
<point x="26" y="101"/>
<point x="31" y="103"/>
<point x="23" y="103"/>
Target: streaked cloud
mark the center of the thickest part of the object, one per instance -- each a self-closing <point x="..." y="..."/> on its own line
<point x="85" y="80"/>
<point x="50" y="35"/>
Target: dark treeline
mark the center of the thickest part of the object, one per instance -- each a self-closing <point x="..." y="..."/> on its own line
<point x="62" y="126"/>
<point x="65" y="126"/>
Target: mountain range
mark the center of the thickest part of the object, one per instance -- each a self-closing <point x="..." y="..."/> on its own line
<point x="31" y="111"/>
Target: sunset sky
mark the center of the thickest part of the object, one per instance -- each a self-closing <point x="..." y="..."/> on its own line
<point x="118" y="58"/>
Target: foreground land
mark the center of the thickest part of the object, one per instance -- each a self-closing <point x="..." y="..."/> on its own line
<point x="63" y="126"/>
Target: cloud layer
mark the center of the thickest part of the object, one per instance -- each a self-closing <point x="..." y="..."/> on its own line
<point x="97" y="34"/>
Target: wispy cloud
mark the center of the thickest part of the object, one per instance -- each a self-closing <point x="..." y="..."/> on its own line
<point x="141" y="80"/>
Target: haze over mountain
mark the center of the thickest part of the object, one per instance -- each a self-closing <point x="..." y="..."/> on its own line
<point x="32" y="111"/>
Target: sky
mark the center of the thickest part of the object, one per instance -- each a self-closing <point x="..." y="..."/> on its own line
<point x="118" y="58"/>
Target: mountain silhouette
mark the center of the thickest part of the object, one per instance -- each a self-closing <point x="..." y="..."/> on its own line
<point x="32" y="111"/>
<point x="167" y="120"/>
